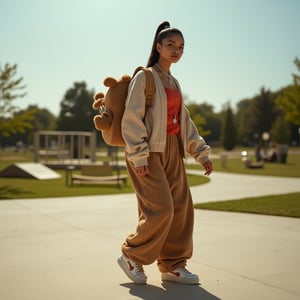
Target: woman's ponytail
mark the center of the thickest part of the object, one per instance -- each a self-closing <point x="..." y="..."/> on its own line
<point x="154" y="55"/>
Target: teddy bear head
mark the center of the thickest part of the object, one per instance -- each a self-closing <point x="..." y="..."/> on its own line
<point x="111" y="107"/>
<point x="117" y="89"/>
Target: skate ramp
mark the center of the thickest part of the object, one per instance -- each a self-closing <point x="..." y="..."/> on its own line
<point x="29" y="170"/>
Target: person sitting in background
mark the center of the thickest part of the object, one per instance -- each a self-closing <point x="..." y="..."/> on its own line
<point x="258" y="154"/>
<point x="273" y="157"/>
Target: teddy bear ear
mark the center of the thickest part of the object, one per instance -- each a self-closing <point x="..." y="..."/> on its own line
<point x="126" y="78"/>
<point x="110" y="82"/>
<point x="98" y="96"/>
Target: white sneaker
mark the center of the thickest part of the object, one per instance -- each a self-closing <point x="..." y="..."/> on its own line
<point x="180" y="275"/>
<point x="133" y="270"/>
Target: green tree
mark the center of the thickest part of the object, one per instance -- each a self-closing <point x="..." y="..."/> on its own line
<point x="263" y="113"/>
<point x="42" y="120"/>
<point x="76" y="109"/>
<point x="198" y="118"/>
<point x="281" y="132"/>
<point x="242" y="117"/>
<point x="210" y="129"/>
<point x="11" y="121"/>
<point x="228" y="138"/>
<point x="289" y="100"/>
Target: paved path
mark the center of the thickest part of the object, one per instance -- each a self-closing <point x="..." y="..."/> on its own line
<point x="226" y="186"/>
<point x="66" y="248"/>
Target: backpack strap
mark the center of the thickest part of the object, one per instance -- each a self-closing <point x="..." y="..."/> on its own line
<point x="150" y="84"/>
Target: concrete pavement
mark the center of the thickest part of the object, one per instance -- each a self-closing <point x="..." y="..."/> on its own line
<point x="66" y="248"/>
<point x="226" y="186"/>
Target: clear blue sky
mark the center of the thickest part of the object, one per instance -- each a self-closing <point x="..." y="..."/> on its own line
<point x="233" y="47"/>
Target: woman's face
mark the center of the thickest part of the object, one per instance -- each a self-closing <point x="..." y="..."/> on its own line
<point x="171" y="48"/>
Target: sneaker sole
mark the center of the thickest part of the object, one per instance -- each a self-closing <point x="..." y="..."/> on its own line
<point x="123" y="266"/>
<point x="167" y="277"/>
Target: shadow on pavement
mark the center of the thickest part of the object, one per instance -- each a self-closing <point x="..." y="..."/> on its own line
<point x="169" y="290"/>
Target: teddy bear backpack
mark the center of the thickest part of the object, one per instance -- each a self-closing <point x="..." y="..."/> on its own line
<point x="111" y="106"/>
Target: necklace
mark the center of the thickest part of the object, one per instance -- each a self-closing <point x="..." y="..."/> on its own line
<point x="177" y="103"/>
<point x="169" y="76"/>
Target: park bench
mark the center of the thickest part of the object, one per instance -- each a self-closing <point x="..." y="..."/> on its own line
<point x="96" y="174"/>
<point x="60" y="154"/>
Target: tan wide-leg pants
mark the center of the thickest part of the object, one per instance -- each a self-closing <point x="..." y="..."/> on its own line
<point x="166" y="214"/>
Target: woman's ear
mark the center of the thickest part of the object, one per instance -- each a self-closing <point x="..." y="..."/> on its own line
<point x="158" y="47"/>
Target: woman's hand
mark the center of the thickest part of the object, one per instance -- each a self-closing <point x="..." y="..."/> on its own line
<point x="208" y="166"/>
<point x="142" y="171"/>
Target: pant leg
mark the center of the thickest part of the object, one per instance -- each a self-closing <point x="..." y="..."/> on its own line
<point x="165" y="227"/>
<point x="155" y="206"/>
<point x="178" y="246"/>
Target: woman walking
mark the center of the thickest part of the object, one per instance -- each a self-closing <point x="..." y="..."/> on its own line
<point x="156" y="142"/>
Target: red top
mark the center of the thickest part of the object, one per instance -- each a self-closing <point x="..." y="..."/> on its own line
<point x="173" y="108"/>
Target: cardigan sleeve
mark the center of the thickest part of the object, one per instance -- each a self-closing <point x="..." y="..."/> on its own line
<point x="195" y="144"/>
<point x="133" y="128"/>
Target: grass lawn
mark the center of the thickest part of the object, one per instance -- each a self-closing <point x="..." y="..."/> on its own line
<point x="23" y="188"/>
<point x="234" y="164"/>
<point x="287" y="205"/>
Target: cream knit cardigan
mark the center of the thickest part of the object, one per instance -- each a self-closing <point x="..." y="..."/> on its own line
<point x="149" y="135"/>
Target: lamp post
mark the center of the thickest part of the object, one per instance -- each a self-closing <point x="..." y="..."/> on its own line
<point x="265" y="137"/>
